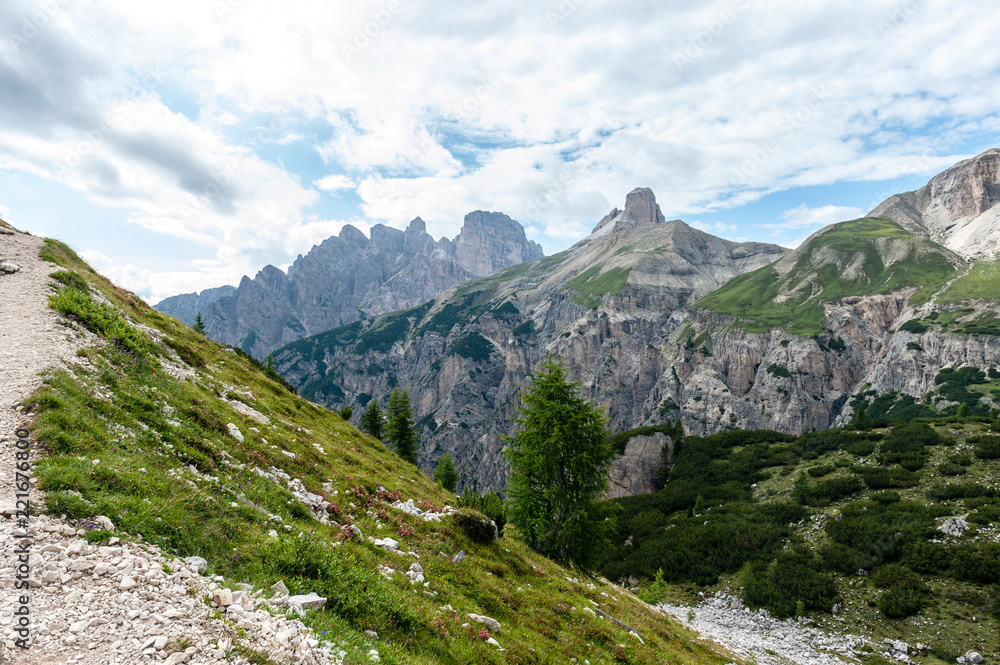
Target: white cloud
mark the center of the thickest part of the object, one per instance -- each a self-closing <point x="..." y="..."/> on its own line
<point x="4" y="212"/>
<point x="804" y="217"/>
<point x="334" y="182"/>
<point x="490" y="105"/>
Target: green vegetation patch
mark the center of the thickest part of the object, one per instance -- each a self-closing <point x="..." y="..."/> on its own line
<point x="979" y="283"/>
<point x="475" y="347"/>
<point x="819" y="277"/>
<point x="591" y="284"/>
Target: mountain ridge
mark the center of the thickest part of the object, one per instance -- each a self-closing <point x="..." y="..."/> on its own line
<point x="350" y="276"/>
<point x="630" y="309"/>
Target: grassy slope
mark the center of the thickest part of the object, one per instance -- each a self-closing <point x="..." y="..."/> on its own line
<point x="980" y="282"/>
<point x="148" y="430"/>
<point x="752" y="296"/>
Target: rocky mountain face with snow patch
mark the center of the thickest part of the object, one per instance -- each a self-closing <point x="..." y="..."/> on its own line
<point x="352" y="276"/>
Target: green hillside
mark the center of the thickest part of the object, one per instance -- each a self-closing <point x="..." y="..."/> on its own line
<point x="155" y="408"/>
<point x="981" y="282"/>
<point x="857" y="258"/>
<point x="789" y="522"/>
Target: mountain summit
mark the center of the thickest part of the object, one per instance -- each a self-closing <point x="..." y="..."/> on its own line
<point x="352" y="276"/>
<point x="957" y="208"/>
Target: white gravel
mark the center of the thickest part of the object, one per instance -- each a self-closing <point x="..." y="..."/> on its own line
<point x="108" y="605"/>
<point x="757" y="636"/>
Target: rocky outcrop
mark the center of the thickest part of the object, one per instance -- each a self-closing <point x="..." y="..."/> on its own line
<point x="958" y="207"/>
<point x="634" y="471"/>
<point x="352" y="276"/>
<point x="186" y="306"/>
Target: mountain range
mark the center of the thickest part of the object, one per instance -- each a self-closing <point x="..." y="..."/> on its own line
<point x="662" y="322"/>
<point x="352" y="276"/>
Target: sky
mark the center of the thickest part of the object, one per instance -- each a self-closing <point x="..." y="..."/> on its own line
<point x="180" y="145"/>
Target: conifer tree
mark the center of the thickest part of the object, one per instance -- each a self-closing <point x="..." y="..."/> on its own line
<point x="199" y="324"/>
<point x="373" y="421"/>
<point x="445" y="473"/>
<point x="559" y="458"/>
<point x="401" y="432"/>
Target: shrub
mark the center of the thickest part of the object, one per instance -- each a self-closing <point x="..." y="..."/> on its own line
<point x="489" y="504"/>
<point x="915" y="326"/>
<point x="978" y="562"/>
<point x="789" y="585"/>
<point x="779" y="371"/>
<point x="877" y="478"/>
<point x="951" y="469"/>
<point x="926" y="557"/>
<point x="988" y="447"/>
<point x="820" y="471"/>
<point x="476" y="526"/>
<point x="906" y="594"/>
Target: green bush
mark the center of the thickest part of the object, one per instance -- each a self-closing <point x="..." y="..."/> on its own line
<point x="489" y="504"/>
<point x="979" y="562"/>
<point x="881" y="477"/>
<point x="951" y="469"/>
<point x="926" y="557"/>
<point x="476" y="526"/>
<point x="988" y="447"/>
<point x="787" y="586"/>
<point x="820" y="471"/>
<point x="906" y="594"/>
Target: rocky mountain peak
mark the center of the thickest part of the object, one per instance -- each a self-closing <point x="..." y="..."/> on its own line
<point x="490" y="241"/>
<point x="352" y="273"/>
<point x="416" y="227"/>
<point x="641" y="209"/>
<point x="354" y="236"/>
<point x="958" y="208"/>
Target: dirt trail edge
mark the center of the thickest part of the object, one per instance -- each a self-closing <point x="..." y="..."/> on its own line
<point x="117" y="604"/>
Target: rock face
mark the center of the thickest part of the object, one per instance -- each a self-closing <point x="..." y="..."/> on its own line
<point x="607" y="305"/>
<point x="958" y="208"/>
<point x="634" y="472"/>
<point x="351" y="276"/>
<point x="186" y="306"/>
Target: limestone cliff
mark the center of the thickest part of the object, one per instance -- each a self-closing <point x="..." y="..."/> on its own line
<point x="352" y="276"/>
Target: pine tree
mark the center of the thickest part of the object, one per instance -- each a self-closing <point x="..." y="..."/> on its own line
<point x="400" y="431"/>
<point x="801" y="490"/>
<point x="372" y="420"/>
<point x="559" y="460"/>
<point x="445" y="473"/>
<point x="199" y="324"/>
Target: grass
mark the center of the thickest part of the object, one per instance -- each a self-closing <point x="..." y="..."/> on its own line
<point x="795" y="301"/>
<point x="168" y="471"/>
<point x="979" y="283"/>
<point x="592" y="284"/>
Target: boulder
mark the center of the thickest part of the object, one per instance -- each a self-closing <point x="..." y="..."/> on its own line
<point x="200" y="564"/>
<point x="954" y="526"/>
<point x="235" y="432"/>
<point x="309" y="601"/>
<point x="491" y="624"/>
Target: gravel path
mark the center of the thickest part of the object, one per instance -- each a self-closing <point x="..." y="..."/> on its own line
<point x="119" y="604"/>
<point x="761" y="638"/>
